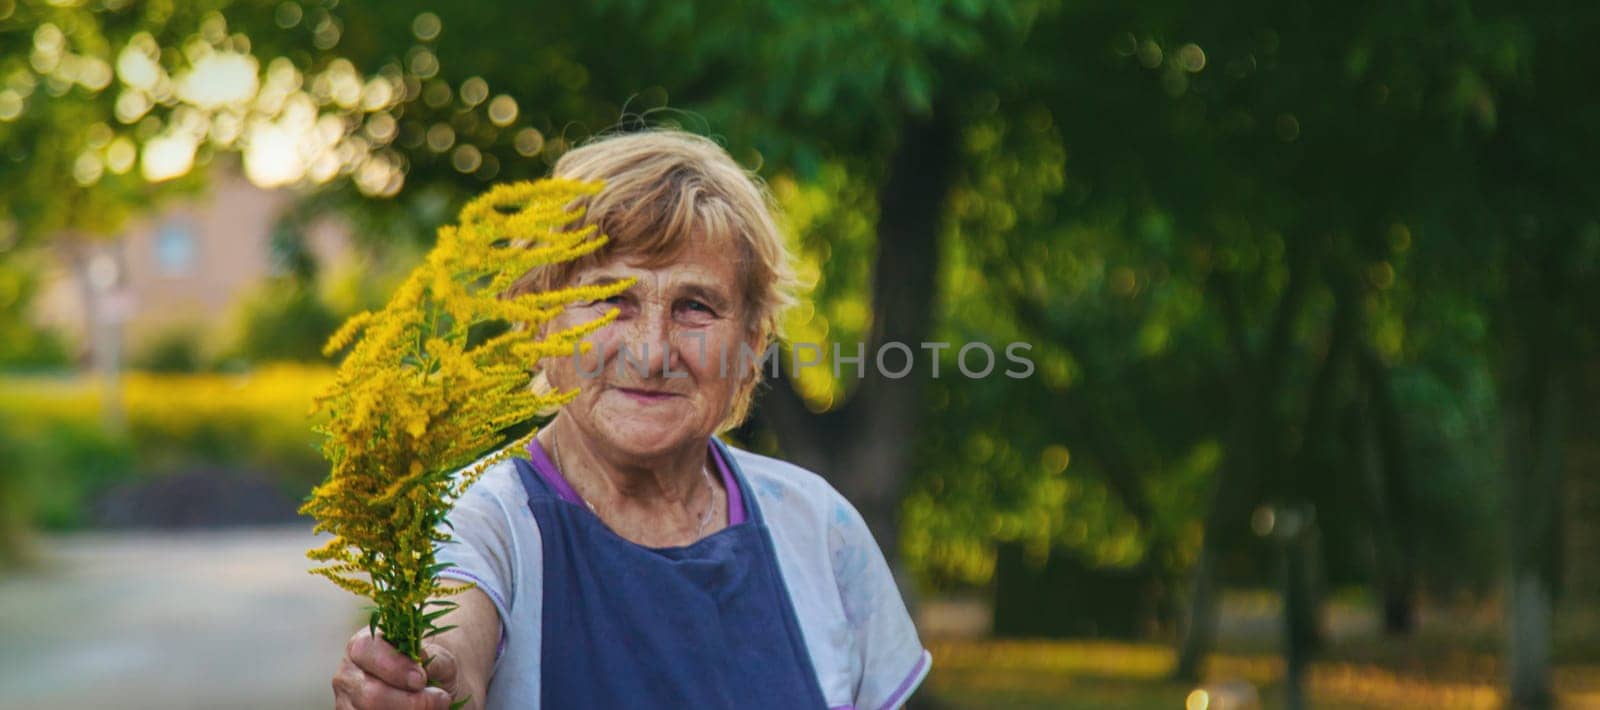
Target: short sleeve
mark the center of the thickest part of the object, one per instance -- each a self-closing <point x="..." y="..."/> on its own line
<point x="482" y="550"/>
<point x="891" y="657"/>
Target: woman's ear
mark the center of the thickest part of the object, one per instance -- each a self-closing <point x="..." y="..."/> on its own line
<point x="542" y="387"/>
<point x="756" y="341"/>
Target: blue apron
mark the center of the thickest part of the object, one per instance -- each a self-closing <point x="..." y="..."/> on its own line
<point x="708" y="625"/>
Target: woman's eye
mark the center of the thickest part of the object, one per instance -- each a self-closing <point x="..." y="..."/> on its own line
<point x="696" y="310"/>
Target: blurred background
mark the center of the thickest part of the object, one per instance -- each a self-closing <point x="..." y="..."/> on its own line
<point x="1310" y="290"/>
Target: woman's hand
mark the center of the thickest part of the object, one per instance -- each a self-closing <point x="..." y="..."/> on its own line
<point x="374" y="676"/>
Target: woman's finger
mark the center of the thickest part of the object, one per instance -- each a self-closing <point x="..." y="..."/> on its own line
<point x="377" y="695"/>
<point x="355" y="689"/>
<point x="439" y="699"/>
<point x="382" y="661"/>
<point x="441" y="666"/>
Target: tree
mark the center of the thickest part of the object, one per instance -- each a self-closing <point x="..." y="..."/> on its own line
<point x="1253" y="245"/>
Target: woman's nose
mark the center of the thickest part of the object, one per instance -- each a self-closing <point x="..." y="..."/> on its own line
<point x="647" y="338"/>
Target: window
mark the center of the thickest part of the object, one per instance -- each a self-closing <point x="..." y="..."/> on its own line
<point x="175" y="248"/>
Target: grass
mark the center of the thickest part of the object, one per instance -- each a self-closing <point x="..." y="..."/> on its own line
<point x="1103" y="674"/>
<point x="1051" y="674"/>
<point x="1452" y="661"/>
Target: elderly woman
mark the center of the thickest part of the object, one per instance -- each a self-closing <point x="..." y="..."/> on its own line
<point x="639" y="561"/>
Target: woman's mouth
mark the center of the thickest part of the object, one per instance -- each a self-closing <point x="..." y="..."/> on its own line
<point x="646" y="396"/>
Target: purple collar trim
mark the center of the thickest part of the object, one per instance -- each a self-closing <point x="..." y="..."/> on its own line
<point x="548" y="471"/>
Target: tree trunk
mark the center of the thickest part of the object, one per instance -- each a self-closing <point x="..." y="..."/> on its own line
<point x="1231" y="501"/>
<point x="1116" y="463"/>
<point x="1198" y="627"/>
<point x="864" y="446"/>
<point x="101" y="294"/>
<point x="1378" y="440"/>
<point x="1535" y="409"/>
<point x="1252" y="451"/>
<point x="1313" y="459"/>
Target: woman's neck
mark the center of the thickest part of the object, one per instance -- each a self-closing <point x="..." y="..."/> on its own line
<point x="664" y="499"/>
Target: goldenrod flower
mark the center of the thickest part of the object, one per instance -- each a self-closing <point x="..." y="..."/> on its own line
<point x="417" y="400"/>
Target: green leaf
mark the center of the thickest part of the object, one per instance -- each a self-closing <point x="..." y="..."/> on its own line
<point x="918" y="90"/>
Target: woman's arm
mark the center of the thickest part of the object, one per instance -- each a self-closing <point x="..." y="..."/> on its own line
<point x="474" y="643"/>
<point x="374" y="676"/>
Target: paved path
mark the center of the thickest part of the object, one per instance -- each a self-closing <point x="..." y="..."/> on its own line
<point x="225" y="619"/>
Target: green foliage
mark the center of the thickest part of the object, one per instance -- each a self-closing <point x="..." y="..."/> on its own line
<point x="1222" y="228"/>
<point x="15" y="518"/>
<point x="55" y="109"/>
<point x="64" y="466"/>
<point x="66" y="456"/>
<point x="287" y="320"/>
<point x="23" y="344"/>
<point x="177" y="349"/>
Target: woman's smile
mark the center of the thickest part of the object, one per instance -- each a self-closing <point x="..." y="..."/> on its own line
<point x="645" y="396"/>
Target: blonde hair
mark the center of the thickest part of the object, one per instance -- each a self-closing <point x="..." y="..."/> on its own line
<point x="667" y="191"/>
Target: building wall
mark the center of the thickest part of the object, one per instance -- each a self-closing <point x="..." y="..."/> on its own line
<point x="185" y="267"/>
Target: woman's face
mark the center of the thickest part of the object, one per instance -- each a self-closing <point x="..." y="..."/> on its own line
<point x="656" y="379"/>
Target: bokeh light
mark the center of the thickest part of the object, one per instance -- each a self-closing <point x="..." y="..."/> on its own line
<point x="169" y="156"/>
<point x="219" y="80"/>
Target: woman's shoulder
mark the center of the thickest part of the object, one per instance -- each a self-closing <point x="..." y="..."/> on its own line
<point x="860" y="635"/>
<point x="500" y="483"/>
<point x="790" y="492"/>
<point x="496" y="544"/>
<point x="773" y="479"/>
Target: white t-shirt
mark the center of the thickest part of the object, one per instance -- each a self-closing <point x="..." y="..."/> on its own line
<point x="858" y="633"/>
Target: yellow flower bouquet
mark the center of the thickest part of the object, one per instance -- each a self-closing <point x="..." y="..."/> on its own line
<point x="420" y="406"/>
